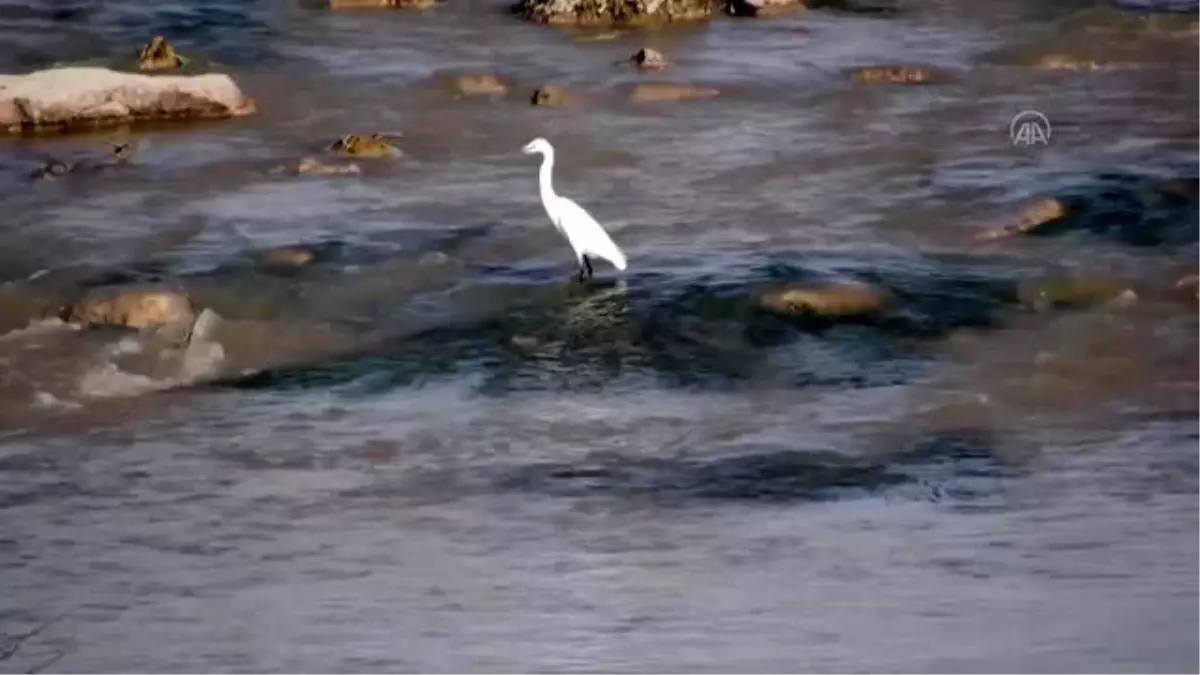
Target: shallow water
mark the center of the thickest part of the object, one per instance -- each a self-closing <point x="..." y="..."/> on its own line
<point x="457" y="462"/>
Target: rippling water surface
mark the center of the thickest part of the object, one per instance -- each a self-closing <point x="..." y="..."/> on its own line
<point x="427" y="451"/>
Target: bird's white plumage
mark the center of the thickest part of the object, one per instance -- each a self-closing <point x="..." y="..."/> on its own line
<point x="585" y="235"/>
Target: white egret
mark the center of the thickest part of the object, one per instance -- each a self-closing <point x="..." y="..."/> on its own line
<point x="582" y="231"/>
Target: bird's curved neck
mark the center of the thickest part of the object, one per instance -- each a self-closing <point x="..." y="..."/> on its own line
<point x="544" y="173"/>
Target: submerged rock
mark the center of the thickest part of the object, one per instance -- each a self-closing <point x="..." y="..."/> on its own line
<point x="53" y="169"/>
<point x="286" y="258"/>
<point x="1049" y="293"/>
<point x="150" y="306"/>
<point x="75" y="99"/>
<point x="551" y="95"/>
<point x="649" y="59"/>
<point x="159" y="54"/>
<point x="826" y="300"/>
<point x="613" y="12"/>
<point x="900" y="74"/>
<point x="480" y="85"/>
<point x="355" y="145"/>
<point x="664" y="92"/>
<point x="1038" y="214"/>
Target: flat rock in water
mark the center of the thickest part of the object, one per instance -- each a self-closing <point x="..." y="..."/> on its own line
<point x="660" y="92"/>
<point x="77" y="99"/>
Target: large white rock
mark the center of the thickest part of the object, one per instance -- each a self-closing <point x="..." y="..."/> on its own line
<point x="69" y="99"/>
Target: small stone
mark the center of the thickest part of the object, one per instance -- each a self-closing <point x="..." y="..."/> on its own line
<point x="480" y="85"/>
<point x="356" y="145"/>
<point x="1036" y="215"/>
<point x="158" y="54"/>
<point x="649" y="59"/>
<point x="553" y="96"/>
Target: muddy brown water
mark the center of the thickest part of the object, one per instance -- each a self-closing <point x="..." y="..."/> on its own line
<point x="428" y="453"/>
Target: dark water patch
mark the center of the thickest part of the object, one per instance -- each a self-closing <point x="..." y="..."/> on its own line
<point x="231" y="32"/>
<point x="684" y="332"/>
<point x="1132" y="208"/>
<point x="956" y="465"/>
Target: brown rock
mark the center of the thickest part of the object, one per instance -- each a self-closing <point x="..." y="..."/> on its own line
<point x="613" y="12"/>
<point x="899" y="74"/>
<point x="356" y="145"/>
<point x="133" y="306"/>
<point x="551" y="95"/>
<point x="1036" y="215"/>
<point x="663" y="92"/>
<point x="158" y="54"/>
<point x="649" y="59"/>
<point x="829" y="300"/>
<point x="1189" y="285"/>
<point x="480" y="85"/>
<point x="380" y="4"/>
<point x="74" y="99"/>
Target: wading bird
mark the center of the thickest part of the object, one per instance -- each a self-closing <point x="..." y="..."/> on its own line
<point x="582" y="231"/>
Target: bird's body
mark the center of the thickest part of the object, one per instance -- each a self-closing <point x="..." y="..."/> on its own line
<point x="585" y="235"/>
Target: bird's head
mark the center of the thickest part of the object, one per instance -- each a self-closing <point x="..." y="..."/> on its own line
<point x="538" y="144"/>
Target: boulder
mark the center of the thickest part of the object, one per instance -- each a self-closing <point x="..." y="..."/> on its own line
<point x="144" y="307"/>
<point x="664" y="92"/>
<point x="613" y="12"/>
<point x="74" y="99"/>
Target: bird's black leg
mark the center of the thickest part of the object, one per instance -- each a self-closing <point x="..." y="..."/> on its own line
<point x="588" y="264"/>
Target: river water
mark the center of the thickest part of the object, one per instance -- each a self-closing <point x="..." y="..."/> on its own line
<point x="429" y="452"/>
